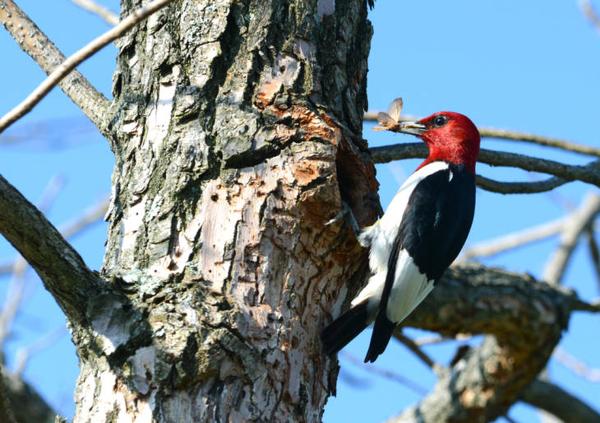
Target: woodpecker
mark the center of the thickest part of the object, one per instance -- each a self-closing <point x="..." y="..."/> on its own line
<point x="420" y="234"/>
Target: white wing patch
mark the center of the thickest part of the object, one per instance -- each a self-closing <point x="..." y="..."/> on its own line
<point x="380" y="237"/>
<point x="371" y="292"/>
<point x="409" y="289"/>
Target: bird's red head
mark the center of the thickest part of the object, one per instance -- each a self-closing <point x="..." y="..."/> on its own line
<point x="449" y="136"/>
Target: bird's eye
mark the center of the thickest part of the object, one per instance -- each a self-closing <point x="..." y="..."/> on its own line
<point x="440" y="120"/>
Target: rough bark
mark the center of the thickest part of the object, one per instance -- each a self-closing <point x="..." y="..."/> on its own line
<point x="6" y="413"/>
<point x="236" y="129"/>
<point x="41" y="49"/>
<point x="60" y="267"/>
<point x="559" y="402"/>
<point x="235" y="125"/>
<point x="25" y="403"/>
<point x="524" y="319"/>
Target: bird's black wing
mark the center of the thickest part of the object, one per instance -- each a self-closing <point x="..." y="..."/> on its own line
<point x="437" y="220"/>
<point x="433" y="230"/>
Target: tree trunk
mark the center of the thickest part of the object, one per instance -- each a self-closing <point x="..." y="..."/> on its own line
<point x="237" y="136"/>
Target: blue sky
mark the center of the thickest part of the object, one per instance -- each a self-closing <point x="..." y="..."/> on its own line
<point x="531" y="66"/>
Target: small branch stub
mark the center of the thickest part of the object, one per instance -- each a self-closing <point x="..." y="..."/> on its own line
<point x="74" y="60"/>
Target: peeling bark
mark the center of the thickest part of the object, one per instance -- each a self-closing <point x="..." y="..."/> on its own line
<point x="236" y="128"/>
<point x="524" y="320"/>
<point x="236" y="123"/>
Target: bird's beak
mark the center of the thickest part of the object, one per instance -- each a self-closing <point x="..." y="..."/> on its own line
<point x="414" y="128"/>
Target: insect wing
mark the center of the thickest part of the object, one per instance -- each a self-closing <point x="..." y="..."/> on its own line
<point x="385" y="122"/>
<point x="395" y="109"/>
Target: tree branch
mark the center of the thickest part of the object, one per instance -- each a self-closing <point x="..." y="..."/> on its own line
<point x="513" y="240"/>
<point x="414" y="348"/>
<point x="13" y="301"/>
<point x="519" y="187"/>
<point x="27" y="404"/>
<point x="24" y="354"/>
<point x="574" y="227"/>
<point x="588" y="173"/>
<point x="524" y="319"/>
<point x="385" y="374"/>
<point x="559" y="402"/>
<point x="41" y="49"/>
<point x="505" y="134"/>
<point x="70" y="229"/>
<point x="84" y="221"/>
<point x="576" y="366"/>
<point x="16" y="290"/>
<point x="594" y="252"/>
<point x="590" y="13"/>
<point x="72" y="61"/>
<point x="6" y="413"/>
<point x="97" y="9"/>
<point x="60" y="267"/>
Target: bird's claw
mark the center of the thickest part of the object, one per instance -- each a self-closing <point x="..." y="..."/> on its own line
<point x="346" y="214"/>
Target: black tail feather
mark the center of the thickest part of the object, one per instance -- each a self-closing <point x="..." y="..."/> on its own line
<point x="382" y="332"/>
<point x="345" y="328"/>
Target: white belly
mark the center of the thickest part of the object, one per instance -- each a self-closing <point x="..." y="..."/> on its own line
<point x="410" y="286"/>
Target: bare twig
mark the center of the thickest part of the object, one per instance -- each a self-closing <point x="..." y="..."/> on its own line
<point x="590" y="13"/>
<point x="576" y="366"/>
<point x="561" y="144"/>
<point x="588" y="173"/>
<point x="415" y="348"/>
<point x="39" y="47"/>
<point x="71" y="229"/>
<point x="6" y="267"/>
<point x="436" y="339"/>
<point x="13" y="300"/>
<point x="432" y="340"/>
<point x="49" y="134"/>
<point x="574" y="228"/>
<point x="519" y="187"/>
<point x="25" y="354"/>
<point x="53" y="188"/>
<point x="505" y="134"/>
<point x="91" y="6"/>
<point x="384" y="373"/>
<point x="593" y="307"/>
<point x="89" y="217"/>
<point x="513" y="240"/>
<point x="17" y="287"/>
<point x="68" y="65"/>
<point x="562" y="174"/>
<point x="60" y="267"/>
<point x="559" y="402"/>
<point x="594" y="252"/>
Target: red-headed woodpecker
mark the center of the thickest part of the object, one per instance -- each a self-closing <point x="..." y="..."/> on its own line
<point x="418" y="237"/>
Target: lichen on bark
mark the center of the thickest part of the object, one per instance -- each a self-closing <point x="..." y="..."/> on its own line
<point x="235" y="123"/>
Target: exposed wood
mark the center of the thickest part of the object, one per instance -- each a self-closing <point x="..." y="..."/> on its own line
<point x="237" y="137"/>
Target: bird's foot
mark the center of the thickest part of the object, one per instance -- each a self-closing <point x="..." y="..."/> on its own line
<point x="347" y="216"/>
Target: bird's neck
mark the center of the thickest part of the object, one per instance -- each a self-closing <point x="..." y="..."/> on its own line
<point x="454" y="155"/>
